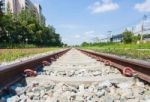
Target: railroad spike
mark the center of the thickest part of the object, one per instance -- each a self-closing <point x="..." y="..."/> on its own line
<point x="129" y="72"/>
<point x="46" y="63"/>
<point x="30" y="73"/>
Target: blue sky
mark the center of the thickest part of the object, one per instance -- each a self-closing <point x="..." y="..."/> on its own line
<point x="83" y="20"/>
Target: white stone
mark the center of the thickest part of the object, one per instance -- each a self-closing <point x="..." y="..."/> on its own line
<point x="29" y="100"/>
<point x="96" y="73"/>
<point x="91" y="88"/>
<point x="42" y="93"/>
<point x="106" y="83"/>
<point x="140" y="84"/>
<point x="30" y="94"/>
<point x="132" y="100"/>
<point x="13" y="99"/>
<point x="109" y="99"/>
<point x="45" y="97"/>
<point x="147" y="98"/>
<point x="125" y="85"/>
<point x="100" y="93"/>
<point x="127" y="93"/>
<point x="79" y="98"/>
<point x="53" y="99"/>
<point x="81" y="88"/>
<point x="19" y="90"/>
<point x="112" y="90"/>
<point x="23" y="98"/>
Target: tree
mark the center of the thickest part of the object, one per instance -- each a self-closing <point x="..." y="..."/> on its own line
<point x="136" y="38"/>
<point x="24" y="27"/>
<point x="85" y="44"/>
<point x="127" y="36"/>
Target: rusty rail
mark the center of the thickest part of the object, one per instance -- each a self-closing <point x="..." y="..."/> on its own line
<point x="141" y="68"/>
<point x="10" y="74"/>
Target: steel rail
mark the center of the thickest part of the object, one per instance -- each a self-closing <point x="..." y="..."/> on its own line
<point x="141" y="68"/>
<point x="10" y="74"/>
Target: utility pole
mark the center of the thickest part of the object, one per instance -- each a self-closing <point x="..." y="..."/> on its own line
<point x="110" y="34"/>
<point x="142" y="26"/>
<point x="133" y="29"/>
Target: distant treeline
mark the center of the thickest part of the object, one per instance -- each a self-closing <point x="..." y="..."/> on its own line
<point x="24" y="28"/>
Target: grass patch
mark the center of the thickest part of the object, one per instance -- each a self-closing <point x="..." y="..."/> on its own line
<point x="17" y="46"/>
<point x="136" y="51"/>
<point x="7" y="55"/>
<point x="120" y="45"/>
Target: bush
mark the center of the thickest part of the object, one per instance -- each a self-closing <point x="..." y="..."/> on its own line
<point x="128" y="37"/>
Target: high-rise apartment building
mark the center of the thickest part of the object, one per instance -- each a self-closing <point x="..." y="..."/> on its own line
<point x="39" y="14"/>
<point x="43" y="19"/>
<point x="15" y="6"/>
<point x="3" y="7"/>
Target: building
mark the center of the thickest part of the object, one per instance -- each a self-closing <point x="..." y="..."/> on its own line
<point x="146" y="37"/>
<point x="39" y="14"/>
<point x="3" y="7"/>
<point x="43" y="19"/>
<point x="39" y="9"/>
<point x="15" y="6"/>
<point x="117" y="38"/>
<point x="105" y="40"/>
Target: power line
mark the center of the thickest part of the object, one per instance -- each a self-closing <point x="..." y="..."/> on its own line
<point x="143" y="27"/>
<point x="125" y="26"/>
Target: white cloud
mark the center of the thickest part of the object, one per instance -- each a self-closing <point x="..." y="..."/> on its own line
<point x="90" y="36"/>
<point x="77" y="36"/>
<point x="143" y="7"/>
<point x="89" y="33"/>
<point x="77" y="39"/>
<point x="73" y="39"/>
<point x="103" y="6"/>
<point x="69" y="26"/>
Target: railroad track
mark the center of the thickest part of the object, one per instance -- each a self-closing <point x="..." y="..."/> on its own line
<point x="137" y="68"/>
<point x="12" y="73"/>
<point x="74" y="77"/>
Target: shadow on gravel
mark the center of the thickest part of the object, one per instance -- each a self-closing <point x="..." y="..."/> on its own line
<point x="18" y="89"/>
<point x="13" y="90"/>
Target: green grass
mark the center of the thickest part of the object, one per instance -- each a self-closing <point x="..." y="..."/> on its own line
<point x="122" y="46"/>
<point x="129" y="50"/>
<point x="17" y="46"/>
<point x="7" y="55"/>
<point x="12" y="46"/>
